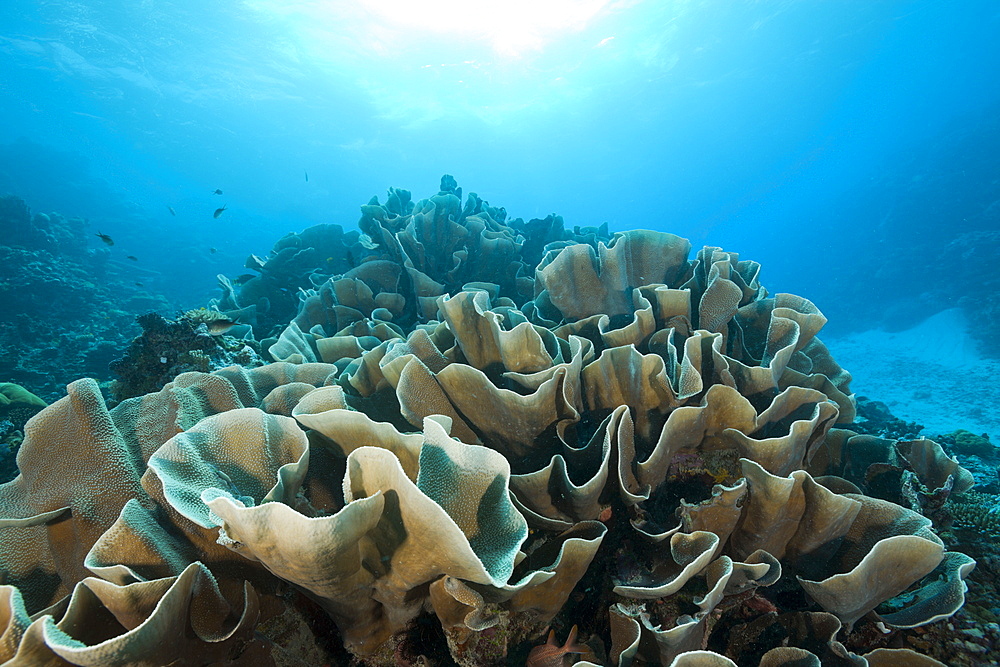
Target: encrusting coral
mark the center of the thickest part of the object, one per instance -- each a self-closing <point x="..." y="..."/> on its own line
<point x="452" y="456"/>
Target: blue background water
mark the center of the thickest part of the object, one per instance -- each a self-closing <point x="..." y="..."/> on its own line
<point x="786" y="131"/>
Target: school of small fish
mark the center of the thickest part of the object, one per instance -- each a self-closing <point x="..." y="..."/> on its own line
<point x="220" y="326"/>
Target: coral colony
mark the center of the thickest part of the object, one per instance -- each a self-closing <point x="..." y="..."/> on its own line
<point x="480" y="441"/>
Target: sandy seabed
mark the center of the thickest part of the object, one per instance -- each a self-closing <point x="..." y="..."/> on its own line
<point x="931" y="374"/>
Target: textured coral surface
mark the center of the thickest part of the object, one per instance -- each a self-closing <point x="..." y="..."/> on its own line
<point x="481" y="430"/>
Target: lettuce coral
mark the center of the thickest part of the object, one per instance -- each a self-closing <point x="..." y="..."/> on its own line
<point x="645" y="444"/>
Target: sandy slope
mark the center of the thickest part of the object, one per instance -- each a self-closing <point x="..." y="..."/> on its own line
<point x="930" y="374"/>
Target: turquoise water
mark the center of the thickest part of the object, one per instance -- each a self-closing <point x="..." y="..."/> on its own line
<point x="796" y="133"/>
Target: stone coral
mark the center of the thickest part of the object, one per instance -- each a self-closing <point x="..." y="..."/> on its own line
<point x="978" y="511"/>
<point x="645" y="444"/>
<point x="167" y="348"/>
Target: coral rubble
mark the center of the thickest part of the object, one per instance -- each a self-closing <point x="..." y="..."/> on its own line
<point x="465" y="443"/>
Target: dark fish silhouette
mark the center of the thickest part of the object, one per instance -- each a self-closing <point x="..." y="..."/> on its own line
<point x="216" y="192"/>
<point x="213" y="250"/>
<point x="219" y="327"/>
<point x="307" y="175"/>
<point x="132" y="257"/>
<point x="138" y="284"/>
<point x="172" y="211"/>
<point x="219" y="211"/>
<point x="104" y="237"/>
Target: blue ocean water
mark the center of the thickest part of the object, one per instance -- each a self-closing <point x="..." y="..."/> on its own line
<point x="755" y="126"/>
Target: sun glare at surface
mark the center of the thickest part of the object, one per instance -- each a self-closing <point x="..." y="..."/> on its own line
<point x="420" y="61"/>
<point x="511" y="27"/>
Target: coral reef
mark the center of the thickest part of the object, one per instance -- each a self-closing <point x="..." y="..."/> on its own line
<point x="976" y="453"/>
<point x="409" y="252"/>
<point x="455" y="454"/>
<point x="67" y="313"/>
<point x="971" y="636"/>
<point x="167" y="348"/>
<point x="970" y="444"/>
<point x="874" y="418"/>
<point x="49" y="232"/>
<point x="296" y="262"/>
<point x="978" y="511"/>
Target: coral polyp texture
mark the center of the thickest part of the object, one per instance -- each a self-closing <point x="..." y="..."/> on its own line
<point x="482" y="431"/>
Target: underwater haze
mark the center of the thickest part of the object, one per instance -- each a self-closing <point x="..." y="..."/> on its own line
<point x="380" y="333"/>
<point x="755" y="126"/>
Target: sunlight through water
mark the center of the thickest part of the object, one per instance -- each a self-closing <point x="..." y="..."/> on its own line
<point x="511" y="27"/>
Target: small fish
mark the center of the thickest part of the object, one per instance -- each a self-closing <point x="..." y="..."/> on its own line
<point x="219" y="327"/>
<point x="213" y="250"/>
<point x="216" y="192"/>
<point x="172" y="211"/>
<point x="132" y="257"/>
<point x="550" y="654"/>
<point x="244" y="278"/>
<point x="219" y="211"/>
<point x="307" y="175"/>
<point x="104" y="237"/>
<point x="138" y="284"/>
